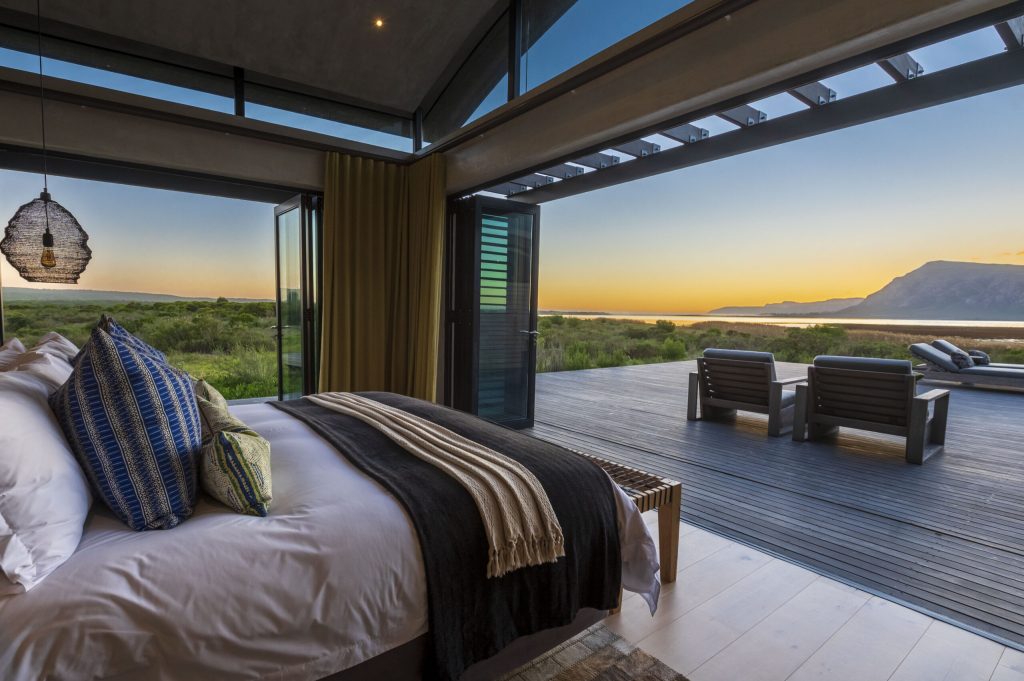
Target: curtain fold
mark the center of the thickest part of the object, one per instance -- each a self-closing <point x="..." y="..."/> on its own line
<point x="383" y="232"/>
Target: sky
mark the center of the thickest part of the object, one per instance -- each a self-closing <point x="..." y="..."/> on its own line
<point x="837" y="215"/>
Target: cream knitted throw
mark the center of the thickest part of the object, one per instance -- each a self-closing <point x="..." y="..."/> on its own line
<point x="521" y="526"/>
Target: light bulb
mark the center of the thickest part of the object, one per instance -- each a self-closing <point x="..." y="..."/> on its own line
<point x="47" y="259"/>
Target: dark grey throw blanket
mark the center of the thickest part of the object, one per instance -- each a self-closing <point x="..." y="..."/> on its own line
<point x="470" y="616"/>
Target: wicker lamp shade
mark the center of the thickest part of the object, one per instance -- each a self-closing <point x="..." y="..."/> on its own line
<point x="45" y="243"/>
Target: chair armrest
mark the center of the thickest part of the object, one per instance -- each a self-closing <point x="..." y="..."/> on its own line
<point x="932" y="395"/>
<point x="790" y="381"/>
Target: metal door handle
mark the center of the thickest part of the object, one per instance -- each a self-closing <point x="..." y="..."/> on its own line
<point x="532" y="333"/>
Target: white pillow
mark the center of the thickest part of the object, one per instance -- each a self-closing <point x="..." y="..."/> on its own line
<point x="9" y="352"/>
<point x="52" y="369"/>
<point x="55" y="344"/>
<point x="44" y="495"/>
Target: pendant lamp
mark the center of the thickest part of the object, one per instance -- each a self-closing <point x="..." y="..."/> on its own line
<point x="44" y="241"/>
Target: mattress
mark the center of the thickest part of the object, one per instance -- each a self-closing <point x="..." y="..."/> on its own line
<point x="331" y="578"/>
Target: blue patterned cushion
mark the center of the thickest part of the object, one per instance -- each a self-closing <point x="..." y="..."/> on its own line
<point x="133" y="423"/>
<point x="118" y="332"/>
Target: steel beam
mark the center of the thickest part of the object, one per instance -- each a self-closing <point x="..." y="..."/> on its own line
<point x="563" y="171"/>
<point x="638" y="148"/>
<point x="533" y="180"/>
<point x="814" y="94"/>
<point x="959" y="82"/>
<point x="901" y="67"/>
<point x="743" y="115"/>
<point x="1012" y="33"/>
<point x="596" y="161"/>
<point x="507" y="188"/>
<point x="686" y="133"/>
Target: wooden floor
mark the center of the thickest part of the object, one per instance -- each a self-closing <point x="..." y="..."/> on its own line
<point x="945" y="538"/>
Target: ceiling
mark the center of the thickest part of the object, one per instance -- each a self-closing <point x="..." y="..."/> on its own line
<point x="331" y="45"/>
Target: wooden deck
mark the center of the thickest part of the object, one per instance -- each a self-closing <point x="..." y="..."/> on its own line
<point x="946" y="538"/>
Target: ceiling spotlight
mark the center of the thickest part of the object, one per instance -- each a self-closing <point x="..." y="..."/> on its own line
<point x="378" y="22"/>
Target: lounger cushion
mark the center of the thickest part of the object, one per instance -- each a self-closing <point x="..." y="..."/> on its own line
<point x="995" y="372"/>
<point x="887" y="366"/>
<point x="961" y="359"/>
<point x="934" y="356"/>
<point x="945" y="346"/>
<point x="980" y="358"/>
<point x="788" y="397"/>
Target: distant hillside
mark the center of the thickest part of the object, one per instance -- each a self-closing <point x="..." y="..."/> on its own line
<point x="949" y="290"/>
<point x="13" y="294"/>
<point x="791" y="308"/>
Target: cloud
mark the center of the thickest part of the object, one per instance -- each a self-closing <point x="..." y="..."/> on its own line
<point x="1021" y="253"/>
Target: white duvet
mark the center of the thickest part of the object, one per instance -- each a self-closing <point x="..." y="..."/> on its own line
<point x="331" y="578"/>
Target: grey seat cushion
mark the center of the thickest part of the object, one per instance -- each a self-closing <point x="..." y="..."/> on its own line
<point x="788" y="397"/>
<point x="740" y="355"/>
<point x="887" y="366"/>
<point x="994" y="372"/>
<point x="934" y="356"/>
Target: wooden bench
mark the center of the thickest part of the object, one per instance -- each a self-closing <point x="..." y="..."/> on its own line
<point x="651" y="493"/>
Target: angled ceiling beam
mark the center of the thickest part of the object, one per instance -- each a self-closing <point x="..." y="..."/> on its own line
<point x="814" y="94"/>
<point x="743" y="115"/>
<point x="686" y="133"/>
<point x="901" y="67"/>
<point x="1012" y="33"/>
<point x="959" y="82"/>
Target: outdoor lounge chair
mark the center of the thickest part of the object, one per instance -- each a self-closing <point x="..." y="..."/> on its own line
<point x="939" y="365"/>
<point x="878" y="395"/>
<point x="727" y="381"/>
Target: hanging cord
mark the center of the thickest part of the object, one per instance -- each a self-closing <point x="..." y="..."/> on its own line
<point x="42" y="96"/>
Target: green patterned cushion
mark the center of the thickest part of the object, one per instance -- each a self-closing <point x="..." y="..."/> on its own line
<point x="213" y="396"/>
<point x="235" y="461"/>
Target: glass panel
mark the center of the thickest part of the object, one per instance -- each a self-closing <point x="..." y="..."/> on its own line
<point x="326" y="117"/>
<point x="554" y="42"/>
<point x="117" y="71"/>
<point x="506" y="316"/>
<point x="289" y="301"/>
<point x="478" y="87"/>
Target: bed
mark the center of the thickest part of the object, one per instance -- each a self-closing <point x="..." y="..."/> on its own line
<point x="330" y="585"/>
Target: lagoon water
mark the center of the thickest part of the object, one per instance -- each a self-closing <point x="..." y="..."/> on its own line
<point x="687" y="320"/>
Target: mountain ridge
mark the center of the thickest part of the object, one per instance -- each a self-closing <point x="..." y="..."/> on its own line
<point x="789" y="307"/>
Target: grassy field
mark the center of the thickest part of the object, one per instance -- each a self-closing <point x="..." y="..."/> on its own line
<point x="231" y="345"/>
<point x="569" y="343"/>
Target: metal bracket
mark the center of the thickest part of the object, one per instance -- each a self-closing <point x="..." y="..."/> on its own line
<point x="743" y="115"/>
<point x="814" y="94"/>
<point x="686" y="133"/>
<point x="563" y="171"/>
<point x="638" y="148"/>
<point x="596" y="161"/>
<point x="1012" y="33"/>
<point x="902" y="67"/>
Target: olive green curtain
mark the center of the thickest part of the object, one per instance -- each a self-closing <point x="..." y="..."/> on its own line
<point x="383" y="232"/>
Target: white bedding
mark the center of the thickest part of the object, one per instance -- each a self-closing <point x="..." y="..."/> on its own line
<point x="331" y="578"/>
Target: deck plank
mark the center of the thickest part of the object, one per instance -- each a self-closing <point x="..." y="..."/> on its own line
<point x="946" y="538"/>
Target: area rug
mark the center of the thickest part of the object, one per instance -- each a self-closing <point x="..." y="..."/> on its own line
<point x="596" y="654"/>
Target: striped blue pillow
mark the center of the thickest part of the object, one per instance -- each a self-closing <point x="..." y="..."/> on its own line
<point x="133" y="423"/>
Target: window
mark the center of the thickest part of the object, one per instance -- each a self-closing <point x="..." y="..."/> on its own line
<point x="478" y="87"/>
<point x="192" y="275"/>
<point x="553" y="42"/>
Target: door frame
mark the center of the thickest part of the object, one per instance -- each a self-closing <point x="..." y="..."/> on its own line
<point x="310" y="286"/>
<point x="462" y="312"/>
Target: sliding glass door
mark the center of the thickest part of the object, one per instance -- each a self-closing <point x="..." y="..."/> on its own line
<point x="492" y="320"/>
<point x="297" y="233"/>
